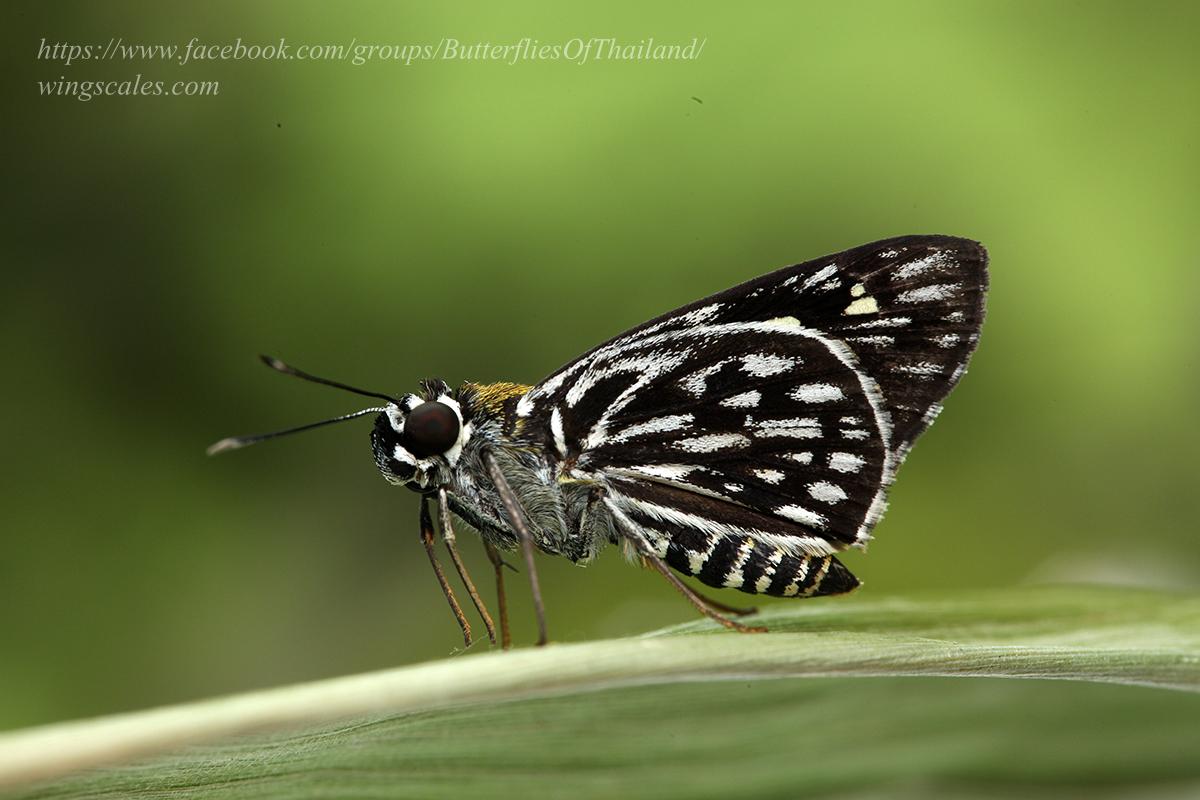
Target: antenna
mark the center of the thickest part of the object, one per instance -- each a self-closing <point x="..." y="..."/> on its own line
<point x="287" y="369"/>
<point x="237" y="442"/>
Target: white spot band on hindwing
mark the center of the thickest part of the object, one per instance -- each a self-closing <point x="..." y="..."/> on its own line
<point x="794" y="545"/>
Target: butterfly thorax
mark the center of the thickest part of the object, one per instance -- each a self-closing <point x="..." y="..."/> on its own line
<point x="484" y="419"/>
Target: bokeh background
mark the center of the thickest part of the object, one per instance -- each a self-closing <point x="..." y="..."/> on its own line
<point x="486" y="221"/>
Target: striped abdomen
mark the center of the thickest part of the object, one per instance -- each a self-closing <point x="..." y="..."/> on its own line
<point x="740" y="562"/>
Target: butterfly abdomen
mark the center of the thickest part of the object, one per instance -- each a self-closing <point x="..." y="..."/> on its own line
<point x="744" y="563"/>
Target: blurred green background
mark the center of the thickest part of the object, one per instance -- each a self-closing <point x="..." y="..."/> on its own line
<point x="487" y="221"/>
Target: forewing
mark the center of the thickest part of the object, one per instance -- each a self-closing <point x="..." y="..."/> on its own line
<point x="779" y="408"/>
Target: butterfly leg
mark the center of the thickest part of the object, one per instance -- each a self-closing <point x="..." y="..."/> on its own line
<point x="697" y="600"/>
<point x="717" y="605"/>
<point x="627" y="529"/>
<point x="452" y="547"/>
<point x="499" y="565"/>
<point x="427" y="540"/>
<point x="517" y="516"/>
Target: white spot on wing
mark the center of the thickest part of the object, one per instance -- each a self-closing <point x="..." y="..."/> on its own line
<point x="883" y="322"/>
<point x="697" y="382"/>
<point x="928" y="294"/>
<point x="672" y="472"/>
<point x="796" y="427"/>
<point x="816" y="393"/>
<point x="748" y="399"/>
<point x="826" y="492"/>
<point x="525" y="405"/>
<point x="556" y="428"/>
<point x="803" y="458"/>
<point x="712" y="442"/>
<point x="763" y="366"/>
<point x="823" y="274"/>
<point x="921" y="368"/>
<point x="915" y="269"/>
<point x="717" y="529"/>
<point x="673" y="422"/>
<point x="771" y="476"/>
<point x="875" y="341"/>
<point x="802" y="515"/>
<point x="846" y="462"/>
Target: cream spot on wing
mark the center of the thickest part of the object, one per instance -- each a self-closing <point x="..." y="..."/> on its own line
<point x="863" y="305"/>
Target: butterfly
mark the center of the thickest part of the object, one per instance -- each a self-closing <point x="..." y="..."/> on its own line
<point x="744" y="439"/>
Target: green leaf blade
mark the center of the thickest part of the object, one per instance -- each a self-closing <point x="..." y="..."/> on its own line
<point x="398" y="728"/>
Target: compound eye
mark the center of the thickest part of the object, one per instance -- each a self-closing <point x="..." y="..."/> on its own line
<point x="431" y="428"/>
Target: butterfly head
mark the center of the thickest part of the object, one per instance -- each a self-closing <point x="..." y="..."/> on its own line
<point x="418" y="439"/>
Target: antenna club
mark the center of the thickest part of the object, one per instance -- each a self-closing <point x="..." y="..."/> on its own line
<point x="274" y="363"/>
<point x="232" y="443"/>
